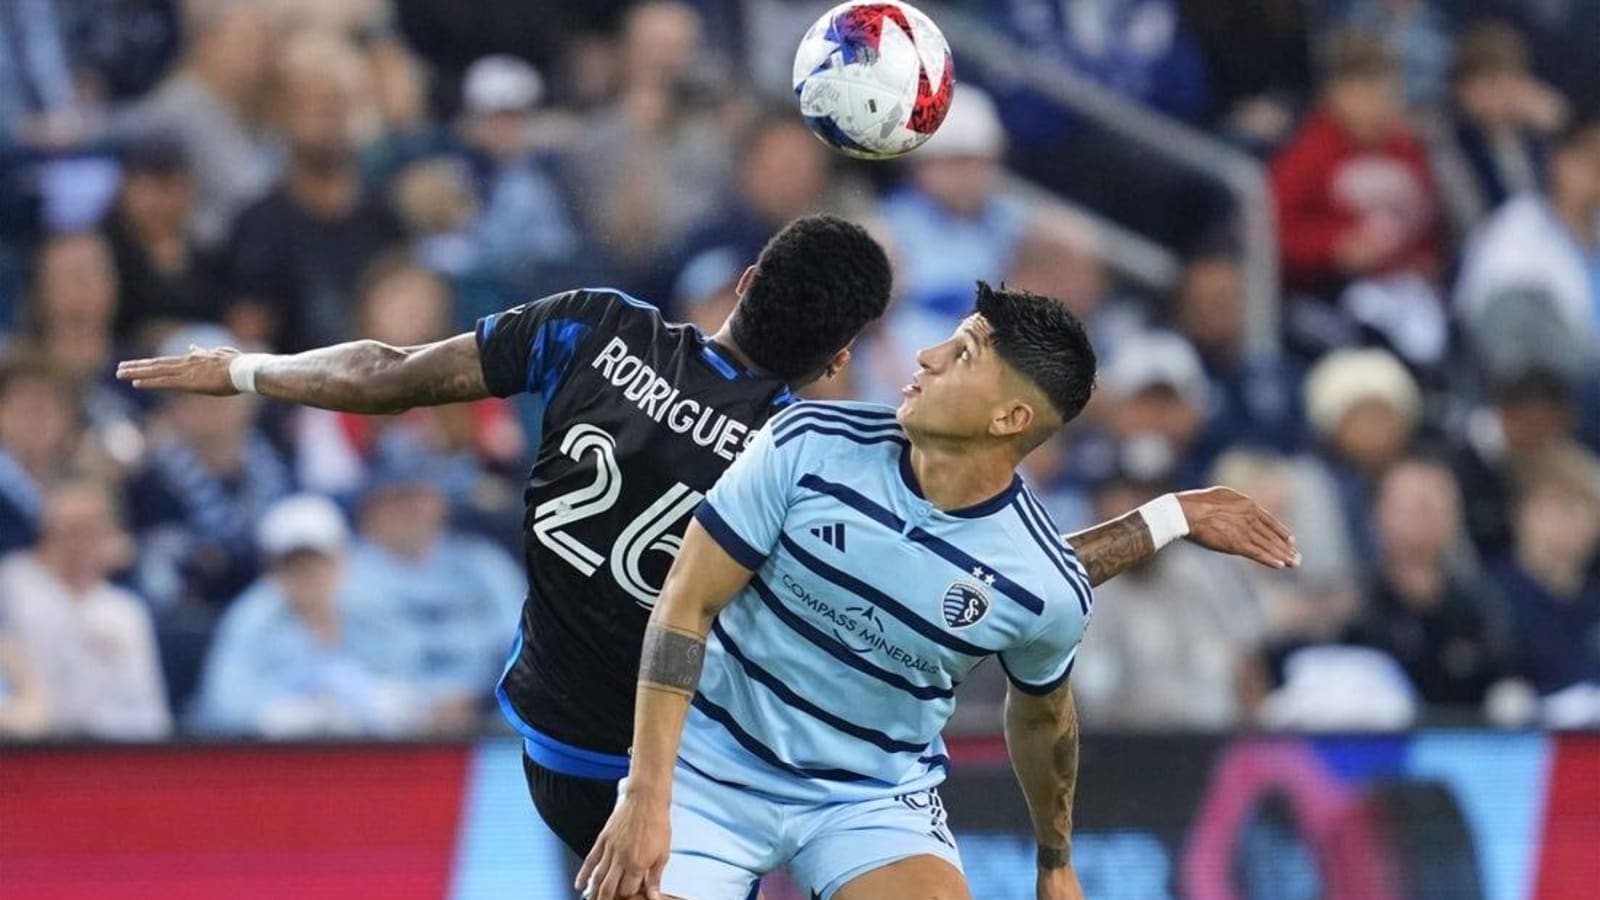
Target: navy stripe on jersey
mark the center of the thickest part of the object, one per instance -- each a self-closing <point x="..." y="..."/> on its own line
<point x="878" y="598"/>
<point x="1052" y="528"/>
<point x="1055" y="547"/>
<point x="762" y="751"/>
<point x="893" y="437"/>
<point x="1039" y="690"/>
<point x="735" y="546"/>
<point x="840" y="652"/>
<point x="865" y="418"/>
<point x="952" y="554"/>
<point x="1050" y="544"/>
<point x="783" y="692"/>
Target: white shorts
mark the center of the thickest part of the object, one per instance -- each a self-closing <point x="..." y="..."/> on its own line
<point x="724" y="838"/>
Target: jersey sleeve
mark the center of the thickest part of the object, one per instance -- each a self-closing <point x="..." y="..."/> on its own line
<point x="745" y="510"/>
<point x="529" y="348"/>
<point x="1044" y="662"/>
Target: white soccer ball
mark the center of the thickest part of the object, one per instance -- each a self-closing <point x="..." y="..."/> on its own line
<point x="874" y="79"/>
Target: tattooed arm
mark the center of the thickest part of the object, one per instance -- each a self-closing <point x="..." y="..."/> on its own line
<point x="1042" y="737"/>
<point x="360" y="376"/>
<point x="631" y="852"/>
<point x="1220" y="519"/>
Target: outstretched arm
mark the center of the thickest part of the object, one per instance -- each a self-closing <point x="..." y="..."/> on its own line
<point x="631" y="852"/>
<point x="1042" y="737"/>
<point x="360" y="376"/>
<point x="1219" y="519"/>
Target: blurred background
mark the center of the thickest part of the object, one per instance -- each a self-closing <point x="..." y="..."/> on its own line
<point x="1343" y="255"/>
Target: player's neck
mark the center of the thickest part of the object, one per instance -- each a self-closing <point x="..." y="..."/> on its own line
<point x="724" y="339"/>
<point x="956" y="476"/>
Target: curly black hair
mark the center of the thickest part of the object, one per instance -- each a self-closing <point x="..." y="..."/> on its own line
<point x="818" y="283"/>
<point x="1040" y="338"/>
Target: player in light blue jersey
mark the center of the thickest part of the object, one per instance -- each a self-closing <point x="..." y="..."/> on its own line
<point x="839" y="582"/>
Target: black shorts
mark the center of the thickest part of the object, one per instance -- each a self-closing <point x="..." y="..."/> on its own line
<point x="576" y="809"/>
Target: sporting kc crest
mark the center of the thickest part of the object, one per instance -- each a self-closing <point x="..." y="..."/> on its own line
<point x="964" y="604"/>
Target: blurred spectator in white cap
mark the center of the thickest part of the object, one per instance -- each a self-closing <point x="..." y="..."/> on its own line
<point x="658" y="156"/>
<point x="1364" y="408"/>
<point x="1551" y="580"/>
<point x="455" y="596"/>
<point x="164" y="278"/>
<point x="1255" y="396"/>
<point x="91" y="641"/>
<point x="1175" y="638"/>
<point x="209" y="477"/>
<point x="1341" y="688"/>
<point x="296" y="254"/>
<point x="951" y="224"/>
<point x="1528" y="283"/>
<point x="215" y="102"/>
<point x="1154" y="403"/>
<point x="527" y="235"/>
<point x="305" y="650"/>
<point x="1426" y="608"/>
<point x="39" y="439"/>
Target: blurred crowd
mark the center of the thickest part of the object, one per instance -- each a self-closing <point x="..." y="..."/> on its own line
<point x="283" y="174"/>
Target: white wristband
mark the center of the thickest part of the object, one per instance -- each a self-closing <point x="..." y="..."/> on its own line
<point x="1165" y="519"/>
<point x="243" y="368"/>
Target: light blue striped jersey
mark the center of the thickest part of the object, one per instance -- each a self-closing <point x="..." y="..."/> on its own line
<point x="830" y="676"/>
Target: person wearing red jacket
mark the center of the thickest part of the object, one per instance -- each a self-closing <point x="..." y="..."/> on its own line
<point x="1355" y="197"/>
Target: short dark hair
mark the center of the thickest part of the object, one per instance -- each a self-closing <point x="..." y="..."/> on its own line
<point x="1040" y="338"/>
<point x="818" y="283"/>
<point x="1579" y="125"/>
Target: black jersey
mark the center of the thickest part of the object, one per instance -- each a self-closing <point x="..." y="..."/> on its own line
<point x="640" y="418"/>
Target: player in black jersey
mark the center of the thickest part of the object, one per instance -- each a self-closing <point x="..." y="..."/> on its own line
<point x="641" y="416"/>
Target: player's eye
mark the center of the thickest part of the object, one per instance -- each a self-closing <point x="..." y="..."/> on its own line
<point x="965" y="354"/>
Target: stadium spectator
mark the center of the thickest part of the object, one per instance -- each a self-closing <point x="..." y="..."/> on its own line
<point x="655" y="161"/>
<point x="466" y="446"/>
<point x="1417" y="33"/>
<point x="784" y="173"/>
<point x="1154" y="404"/>
<point x="1550" y="582"/>
<point x="527" y="236"/>
<point x="950" y="224"/>
<point x="91" y="641"/>
<point x="74" y="302"/>
<point x="210" y="476"/>
<point x="1425" y="607"/>
<point x="1258" y="60"/>
<point x="24" y="706"/>
<point x="39" y="103"/>
<point x="296" y="254"/>
<point x="215" y="102"/>
<point x="455" y="596"/>
<point x="38" y="437"/>
<point x="1491" y="146"/>
<point x="1253" y="396"/>
<point x="305" y="650"/>
<point x="1060" y="256"/>
<point x="164" y="278"/>
<point x="1174" y="639"/>
<point x="1356" y="207"/>
<point x="1364" y="408"/>
<point x="1530" y="276"/>
<point x="1528" y="412"/>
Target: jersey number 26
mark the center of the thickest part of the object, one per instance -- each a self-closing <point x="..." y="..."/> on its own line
<point x="651" y="530"/>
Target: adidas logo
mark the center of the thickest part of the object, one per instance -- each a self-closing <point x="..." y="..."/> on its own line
<point x="832" y="535"/>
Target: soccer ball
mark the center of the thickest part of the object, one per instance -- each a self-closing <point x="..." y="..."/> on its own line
<point x="874" y="79"/>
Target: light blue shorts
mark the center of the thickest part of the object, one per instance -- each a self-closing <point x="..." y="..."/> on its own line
<point x="724" y="838"/>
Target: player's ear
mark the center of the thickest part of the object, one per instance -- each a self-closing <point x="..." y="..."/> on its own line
<point x="1015" y="418"/>
<point x="837" y="364"/>
<point x="745" y="280"/>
